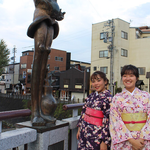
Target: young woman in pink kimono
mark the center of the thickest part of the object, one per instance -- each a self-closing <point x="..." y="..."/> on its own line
<point x="130" y="114"/>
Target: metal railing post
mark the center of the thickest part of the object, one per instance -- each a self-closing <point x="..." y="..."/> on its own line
<point x="74" y="112"/>
<point x="0" y="127"/>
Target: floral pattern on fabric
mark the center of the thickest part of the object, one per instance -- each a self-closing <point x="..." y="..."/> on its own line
<point x="91" y="135"/>
<point x="124" y="102"/>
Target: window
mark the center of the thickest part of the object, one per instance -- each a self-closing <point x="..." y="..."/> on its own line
<point x="95" y="68"/>
<point x="141" y="70"/>
<point x="124" y="52"/>
<point x="29" y="70"/>
<point x="66" y="83"/>
<point x="124" y="35"/>
<point x="104" y="69"/>
<point x="3" y="77"/>
<point x="78" y="81"/>
<point x="24" y="54"/>
<point x="24" y="74"/>
<point x="103" y="54"/>
<point x="20" y="76"/>
<point x="23" y="66"/>
<point x="48" y="66"/>
<point x="56" y="68"/>
<point x="29" y="78"/>
<point x="59" y="58"/>
<point x="87" y="70"/>
<point x="11" y="68"/>
<point x="103" y="35"/>
<point x="48" y="56"/>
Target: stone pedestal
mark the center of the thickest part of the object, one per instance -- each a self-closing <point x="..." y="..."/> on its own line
<point x="51" y="137"/>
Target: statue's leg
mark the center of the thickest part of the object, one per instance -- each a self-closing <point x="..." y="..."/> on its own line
<point x="39" y="43"/>
<point x="49" y="39"/>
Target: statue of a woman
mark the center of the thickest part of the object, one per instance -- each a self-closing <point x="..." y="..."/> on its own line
<point x="43" y="29"/>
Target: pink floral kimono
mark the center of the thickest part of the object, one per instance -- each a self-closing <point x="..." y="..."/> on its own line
<point x="124" y="103"/>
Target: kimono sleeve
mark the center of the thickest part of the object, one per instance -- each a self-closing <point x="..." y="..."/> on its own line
<point x="145" y="132"/>
<point x="82" y="113"/>
<point x="118" y="131"/>
<point x="105" y="131"/>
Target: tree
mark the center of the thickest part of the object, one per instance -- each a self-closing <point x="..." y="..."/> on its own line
<point x="4" y="55"/>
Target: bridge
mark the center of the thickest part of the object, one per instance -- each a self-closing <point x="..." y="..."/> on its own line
<point x="61" y="136"/>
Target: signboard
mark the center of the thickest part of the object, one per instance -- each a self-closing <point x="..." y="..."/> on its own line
<point x="78" y="86"/>
<point x="65" y="86"/>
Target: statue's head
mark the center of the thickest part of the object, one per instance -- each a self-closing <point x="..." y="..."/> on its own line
<point x="56" y="11"/>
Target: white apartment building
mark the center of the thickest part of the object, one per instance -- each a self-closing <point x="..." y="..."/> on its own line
<point x="8" y="78"/>
<point x="131" y="45"/>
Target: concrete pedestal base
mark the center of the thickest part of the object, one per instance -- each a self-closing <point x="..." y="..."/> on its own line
<point x="50" y="137"/>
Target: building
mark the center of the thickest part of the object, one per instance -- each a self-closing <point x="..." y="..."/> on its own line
<point x="9" y="78"/>
<point x="79" y="64"/>
<point x="130" y="46"/>
<point x="74" y="84"/>
<point x="58" y="60"/>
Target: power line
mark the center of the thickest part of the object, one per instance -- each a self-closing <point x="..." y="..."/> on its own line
<point x="94" y="8"/>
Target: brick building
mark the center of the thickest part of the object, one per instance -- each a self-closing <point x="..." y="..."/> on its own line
<point x="58" y="60"/>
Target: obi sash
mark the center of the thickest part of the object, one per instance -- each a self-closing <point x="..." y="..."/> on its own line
<point x="93" y="116"/>
<point x="134" y="121"/>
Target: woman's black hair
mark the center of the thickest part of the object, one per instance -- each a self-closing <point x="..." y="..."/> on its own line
<point x="101" y="74"/>
<point x="130" y="69"/>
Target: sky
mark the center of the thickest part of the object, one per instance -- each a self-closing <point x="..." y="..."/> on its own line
<point x="76" y="27"/>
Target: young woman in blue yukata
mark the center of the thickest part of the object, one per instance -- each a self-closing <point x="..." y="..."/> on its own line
<point x="93" y="126"/>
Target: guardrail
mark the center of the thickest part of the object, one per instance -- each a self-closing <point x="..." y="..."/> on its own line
<point x="15" y="96"/>
<point x="73" y="123"/>
<point x="14" y="138"/>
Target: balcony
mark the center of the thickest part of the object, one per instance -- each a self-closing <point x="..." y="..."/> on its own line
<point x="26" y="137"/>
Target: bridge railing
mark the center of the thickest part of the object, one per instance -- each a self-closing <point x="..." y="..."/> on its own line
<point x="73" y="123"/>
<point x="15" y="138"/>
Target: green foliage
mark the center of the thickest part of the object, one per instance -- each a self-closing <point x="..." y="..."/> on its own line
<point x="79" y="111"/>
<point x="26" y="104"/>
<point x="117" y="89"/>
<point x="59" y="113"/>
<point x="62" y="114"/>
<point x="6" y="125"/>
<point x="4" y="58"/>
<point x="57" y="93"/>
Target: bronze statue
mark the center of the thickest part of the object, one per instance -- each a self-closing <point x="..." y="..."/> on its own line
<point x="43" y="29"/>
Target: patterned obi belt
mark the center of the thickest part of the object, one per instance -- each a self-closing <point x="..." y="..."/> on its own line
<point x="93" y="116"/>
<point x="134" y="121"/>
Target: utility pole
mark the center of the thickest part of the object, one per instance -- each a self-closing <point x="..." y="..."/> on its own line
<point x="14" y="51"/>
<point x="110" y="23"/>
<point x="111" y="57"/>
<point x="84" y="83"/>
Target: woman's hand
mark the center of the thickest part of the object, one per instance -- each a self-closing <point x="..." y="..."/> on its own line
<point x="78" y="133"/>
<point x="141" y="140"/>
<point x="103" y="146"/>
<point x="137" y="144"/>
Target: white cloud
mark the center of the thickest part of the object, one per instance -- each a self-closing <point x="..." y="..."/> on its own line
<point x="75" y="29"/>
